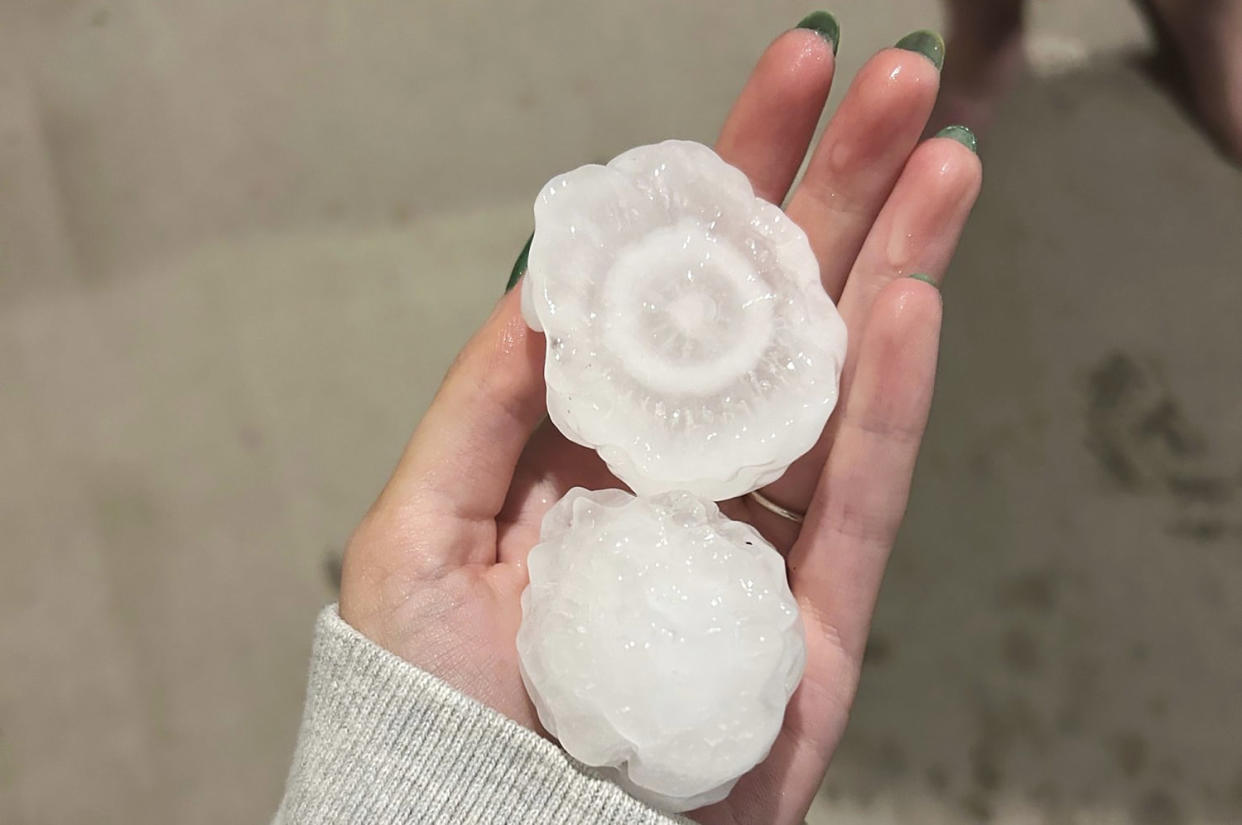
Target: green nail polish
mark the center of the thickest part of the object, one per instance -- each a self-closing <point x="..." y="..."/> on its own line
<point x="927" y="279"/>
<point x="927" y="43"/>
<point x="823" y="24"/>
<point x="962" y="135"/>
<point x="519" y="266"/>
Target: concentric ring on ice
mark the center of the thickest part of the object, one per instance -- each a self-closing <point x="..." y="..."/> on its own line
<point x="689" y="339"/>
<point x="659" y="639"/>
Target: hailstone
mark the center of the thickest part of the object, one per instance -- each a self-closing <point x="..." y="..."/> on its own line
<point x="690" y="341"/>
<point x="659" y="641"/>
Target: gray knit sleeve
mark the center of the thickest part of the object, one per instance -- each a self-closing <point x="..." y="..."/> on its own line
<point x="383" y="742"/>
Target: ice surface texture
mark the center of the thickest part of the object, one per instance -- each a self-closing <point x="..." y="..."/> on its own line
<point x="659" y="639"/>
<point x="689" y="339"/>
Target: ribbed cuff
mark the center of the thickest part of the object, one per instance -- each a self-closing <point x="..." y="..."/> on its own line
<point x="383" y="743"/>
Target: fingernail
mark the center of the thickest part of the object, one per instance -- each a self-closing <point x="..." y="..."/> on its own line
<point x="927" y="279"/>
<point x="519" y="266"/>
<point x="962" y="135"/>
<point x="823" y="24"/>
<point x="927" y="43"/>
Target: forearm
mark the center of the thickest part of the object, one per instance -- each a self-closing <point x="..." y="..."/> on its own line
<point x="383" y="742"/>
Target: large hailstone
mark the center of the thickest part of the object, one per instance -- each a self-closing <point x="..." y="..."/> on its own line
<point x="689" y="339"/>
<point x="659" y="641"/>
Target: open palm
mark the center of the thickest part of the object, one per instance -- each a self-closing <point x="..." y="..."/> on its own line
<point x="435" y="571"/>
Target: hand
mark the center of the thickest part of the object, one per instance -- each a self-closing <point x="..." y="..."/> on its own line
<point x="435" y="570"/>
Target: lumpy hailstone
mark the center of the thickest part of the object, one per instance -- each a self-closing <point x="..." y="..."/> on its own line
<point x="689" y="339"/>
<point x="659" y="640"/>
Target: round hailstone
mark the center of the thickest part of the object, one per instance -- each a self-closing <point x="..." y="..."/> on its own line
<point x="659" y="641"/>
<point x="689" y="339"/>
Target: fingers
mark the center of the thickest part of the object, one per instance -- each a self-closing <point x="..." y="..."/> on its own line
<point x="916" y="233"/>
<point x="860" y="156"/>
<point x="839" y="559"/>
<point x="767" y="133"/>
<point x="459" y="463"/>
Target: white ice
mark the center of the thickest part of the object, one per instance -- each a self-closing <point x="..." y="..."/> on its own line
<point x="689" y="339"/>
<point x="660" y="641"/>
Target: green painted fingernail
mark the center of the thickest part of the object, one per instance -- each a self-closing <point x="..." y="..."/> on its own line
<point x="962" y="135"/>
<point x="927" y="279"/>
<point x="927" y="43"/>
<point x="823" y="24"/>
<point x="519" y="266"/>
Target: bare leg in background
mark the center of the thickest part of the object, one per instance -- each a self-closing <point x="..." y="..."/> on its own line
<point x="1206" y="40"/>
<point x="1201" y="38"/>
<point x="983" y="60"/>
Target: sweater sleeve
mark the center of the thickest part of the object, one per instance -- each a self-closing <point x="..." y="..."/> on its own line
<point x="383" y="743"/>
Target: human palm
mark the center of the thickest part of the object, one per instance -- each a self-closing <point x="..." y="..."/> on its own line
<point x="435" y="571"/>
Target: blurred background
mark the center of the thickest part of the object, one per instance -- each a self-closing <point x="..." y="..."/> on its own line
<point x="240" y="242"/>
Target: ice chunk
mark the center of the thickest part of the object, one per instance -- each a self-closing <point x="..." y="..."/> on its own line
<point x="689" y="339"/>
<point x="660" y="641"/>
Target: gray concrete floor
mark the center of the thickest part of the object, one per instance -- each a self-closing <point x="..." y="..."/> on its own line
<point x="240" y="243"/>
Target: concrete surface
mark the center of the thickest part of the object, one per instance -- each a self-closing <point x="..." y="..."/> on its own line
<point x="240" y="242"/>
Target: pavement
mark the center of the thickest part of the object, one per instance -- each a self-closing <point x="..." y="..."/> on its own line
<point x="240" y="243"/>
